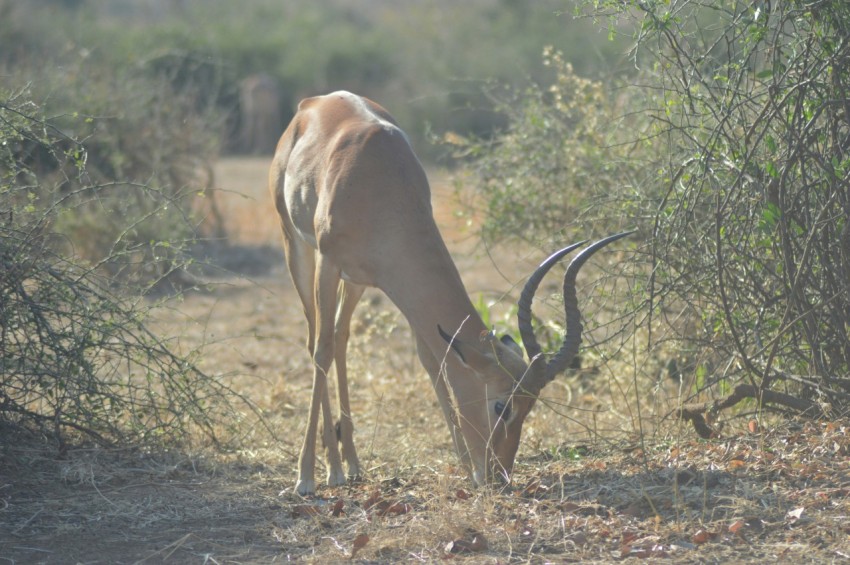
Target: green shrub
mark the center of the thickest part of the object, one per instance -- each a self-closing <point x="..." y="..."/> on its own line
<point x="563" y="160"/>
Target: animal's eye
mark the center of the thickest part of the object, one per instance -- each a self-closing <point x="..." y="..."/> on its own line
<point x="503" y="410"/>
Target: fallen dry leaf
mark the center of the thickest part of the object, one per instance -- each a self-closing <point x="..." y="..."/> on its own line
<point x="479" y="543"/>
<point x="628" y="537"/>
<point x="750" y="524"/>
<point x="462" y="494"/>
<point x="359" y="543"/>
<point x="703" y="536"/>
<point x="735" y="464"/>
<point x="337" y="509"/>
<point x="387" y="509"/>
<point x="373" y="499"/>
<point x="304" y="510"/>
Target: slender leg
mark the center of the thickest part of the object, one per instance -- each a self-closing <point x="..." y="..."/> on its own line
<point x="301" y="260"/>
<point x="327" y="285"/>
<point x="307" y="460"/>
<point x="438" y="380"/>
<point x="322" y="306"/>
<point x="350" y="295"/>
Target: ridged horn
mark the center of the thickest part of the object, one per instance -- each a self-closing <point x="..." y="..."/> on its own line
<point x="526" y="332"/>
<point x="572" y="340"/>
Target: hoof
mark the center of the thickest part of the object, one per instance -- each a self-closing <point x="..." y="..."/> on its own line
<point x="336" y="478"/>
<point x="354" y="473"/>
<point x="305" y="487"/>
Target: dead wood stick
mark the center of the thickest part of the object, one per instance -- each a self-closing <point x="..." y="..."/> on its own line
<point x="695" y="413"/>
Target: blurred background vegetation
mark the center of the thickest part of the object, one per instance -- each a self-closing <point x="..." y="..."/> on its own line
<point x="426" y="61"/>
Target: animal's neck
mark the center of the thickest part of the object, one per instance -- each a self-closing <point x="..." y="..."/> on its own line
<point x="430" y="293"/>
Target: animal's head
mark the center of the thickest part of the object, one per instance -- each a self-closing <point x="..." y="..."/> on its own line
<point x="493" y="404"/>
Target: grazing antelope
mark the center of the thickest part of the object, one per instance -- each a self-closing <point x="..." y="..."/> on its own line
<point x="355" y="209"/>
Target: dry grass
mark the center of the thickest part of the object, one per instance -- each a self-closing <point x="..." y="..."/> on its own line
<point x="594" y="482"/>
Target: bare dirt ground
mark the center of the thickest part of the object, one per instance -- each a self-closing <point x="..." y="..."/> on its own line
<point x="596" y="479"/>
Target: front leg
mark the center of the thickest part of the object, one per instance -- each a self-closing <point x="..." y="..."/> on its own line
<point x="336" y="476"/>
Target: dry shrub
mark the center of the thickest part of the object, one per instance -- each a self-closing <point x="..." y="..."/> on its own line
<point x="76" y="357"/>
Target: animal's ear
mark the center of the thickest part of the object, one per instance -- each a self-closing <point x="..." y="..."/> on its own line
<point x="453" y="342"/>
<point x="468" y="354"/>
<point x="509" y="342"/>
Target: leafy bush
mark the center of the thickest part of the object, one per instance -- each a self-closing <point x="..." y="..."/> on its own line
<point x="563" y="154"/>
<point x="730" y="151"/>
<point x="761" y="190"/>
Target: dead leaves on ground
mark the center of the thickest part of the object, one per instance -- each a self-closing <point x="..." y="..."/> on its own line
<point x="376" y="504"/>
<point x="784" y="475"/>
<point x="703" y="536"/>
<point x="741" y="530"/>
<point x="685" y="501"/>
<point x="385" y="504"/>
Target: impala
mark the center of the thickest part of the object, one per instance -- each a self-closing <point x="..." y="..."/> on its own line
<point x="355" y="210"/>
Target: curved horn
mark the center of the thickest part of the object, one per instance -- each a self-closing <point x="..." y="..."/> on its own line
<point x="526" y="332"/>
<point x="573" y="318"/>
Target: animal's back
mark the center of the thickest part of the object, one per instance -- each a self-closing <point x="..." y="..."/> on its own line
<point x="351" y="185"/>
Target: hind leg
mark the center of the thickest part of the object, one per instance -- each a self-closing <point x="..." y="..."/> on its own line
<point x="316" y="282"/>
<point x="326" y="285"/>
